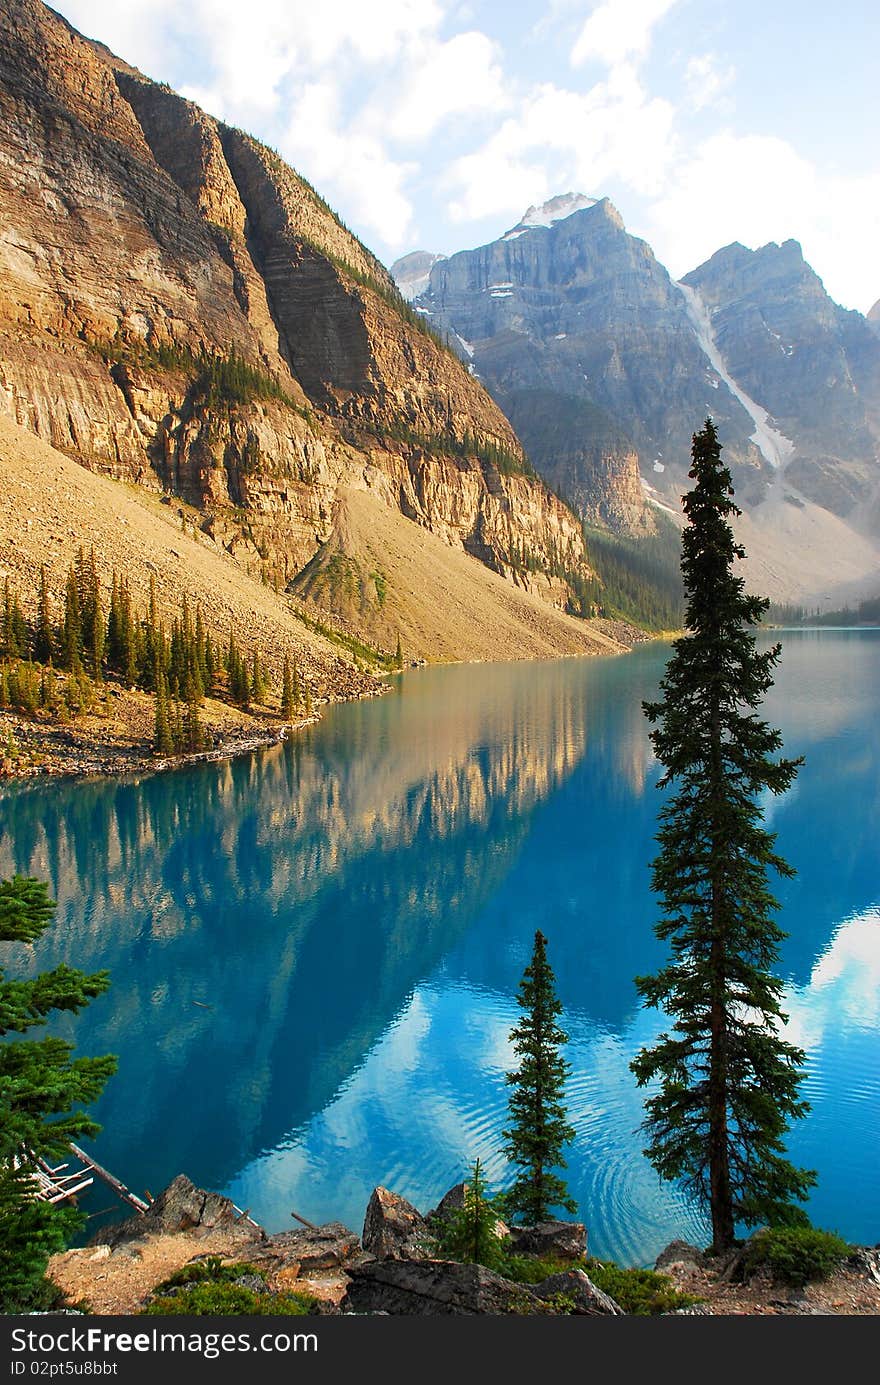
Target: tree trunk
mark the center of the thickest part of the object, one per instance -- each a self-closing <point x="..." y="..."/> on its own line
<point x="720" y="1197"/>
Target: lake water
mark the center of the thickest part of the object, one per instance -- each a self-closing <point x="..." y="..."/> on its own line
<point x="315" y="949"/>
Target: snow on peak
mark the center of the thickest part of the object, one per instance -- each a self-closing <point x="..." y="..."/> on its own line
<point x="557" y="209"/>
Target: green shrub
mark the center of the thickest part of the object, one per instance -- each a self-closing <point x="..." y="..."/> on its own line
<point x="796" y="1254"/>
<point x="530" y="1269"/>
<point x="210" y="1269"/>
<point x="228" y="1300"/>
<point x="208" y="1286"/>
<point x="640" y="1292"/>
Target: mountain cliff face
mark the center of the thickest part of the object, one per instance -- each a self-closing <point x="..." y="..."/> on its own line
<point x="179" y="309"/>
<point x="814" y="366"/>
<point x="586" y="342"/>
<point x="606" y="366"/>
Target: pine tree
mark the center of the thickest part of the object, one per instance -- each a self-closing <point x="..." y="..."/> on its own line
<point x="43" y="1092"/>
<point x="14" y="634"/>
<point x="728" y="1081"/>
<point x="398" y="654"/>
<point x="287" y="709"/>
<point x="71" y="630"/>
<point x="258" y="690"/>
<point x="163" y="737"/>
<point x="472" y="1235"/>
<point x="43" y="642"/>
<point x="539" y="1128"/>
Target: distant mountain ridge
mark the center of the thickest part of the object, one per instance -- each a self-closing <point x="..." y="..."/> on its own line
<point x="606" y="366"/>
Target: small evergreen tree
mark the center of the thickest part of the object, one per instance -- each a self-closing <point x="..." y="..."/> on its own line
<point x="71" y="630"/>
<point x="728" y="1081"/>
<point x="42" y="1092"/>
<point x="258" y="690"/>
<point x="163" y="737"/>
<point x="539" y="1128"/>
<point x="287" y="708"/>
<point x="43" y="642"/>
<point x="472" y="1234"/>
<point x="398" y="655"/>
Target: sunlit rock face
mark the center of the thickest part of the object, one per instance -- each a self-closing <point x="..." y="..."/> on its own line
<point x="136" y="233"/>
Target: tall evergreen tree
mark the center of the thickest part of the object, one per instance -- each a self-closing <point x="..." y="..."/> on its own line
<point x="42" y="1092"/>
<point x="539" y="1128"/>
<point x="43" y="642"/>
<point x="71" y="630"/>
<point x="728" y="1080"/>
<point x="163" y="735"/>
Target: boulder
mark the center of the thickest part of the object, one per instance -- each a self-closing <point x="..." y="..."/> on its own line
<point x="394" y="1229"/>
<point x="431" y="1287"/>
<point x="576" y="1285"/>
<point x="181" y="1207"/>
<point x="315" y="1248"/>
<point x="559" y="1240"/>
<point x="680" y="1253"/>
<point x="449" y="1205"/>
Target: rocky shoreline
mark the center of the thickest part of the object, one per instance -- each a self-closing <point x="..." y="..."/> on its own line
<point x="92" y="748"/>
<point x="395" y="1267"/>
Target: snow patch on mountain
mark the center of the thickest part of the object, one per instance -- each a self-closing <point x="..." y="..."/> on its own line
<point x="557" y="209"/>
<point x="774" y="447"/>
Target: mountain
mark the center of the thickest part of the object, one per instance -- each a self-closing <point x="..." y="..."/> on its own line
<point x="874" y="317"/>
<point x="814" y="366"/>
<point x="412" y="273"/>
<point x="606" y="366"/>
<point x="180" y="310"/>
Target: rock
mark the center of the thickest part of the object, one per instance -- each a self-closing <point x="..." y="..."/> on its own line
<point x="562" y="1240"/>
<point x="576" y="1285"/>
<point x="429" y="1287"/>
<point x="394" y="1229"/>
<point x="181" y="1207"/>
<point x="319" y="1248"/>
<point x="449" y="1205"/>
<point x="680" y="1253"/>
<point x="866" y="1261"/>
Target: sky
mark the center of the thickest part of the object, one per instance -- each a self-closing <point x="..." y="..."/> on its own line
<point x="434" y="124"/>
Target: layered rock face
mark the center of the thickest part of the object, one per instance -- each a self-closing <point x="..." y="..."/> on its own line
<point x="814" y="366"/>
<point x="142" y="242"/>
<point x="586" y="342"/>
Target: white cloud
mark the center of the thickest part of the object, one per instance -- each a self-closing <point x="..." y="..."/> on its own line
<point x="757" y="188"/>
<point x="612" y="131"/>
<point x="705" y="81"/>
<point x="444" y="79"/>
<point x="618" y="30"/>
<point x="349" y="164"/>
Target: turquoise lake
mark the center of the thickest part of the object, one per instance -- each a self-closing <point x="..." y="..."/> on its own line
<point x="315" y="949"/>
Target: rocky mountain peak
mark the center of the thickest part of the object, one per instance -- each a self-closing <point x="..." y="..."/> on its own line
<point x="556" y="209"/>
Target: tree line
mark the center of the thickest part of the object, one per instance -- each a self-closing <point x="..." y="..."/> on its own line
<point x="58" y="660"/>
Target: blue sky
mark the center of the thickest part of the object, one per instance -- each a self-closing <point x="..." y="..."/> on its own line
<point x="433" y="124"/>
